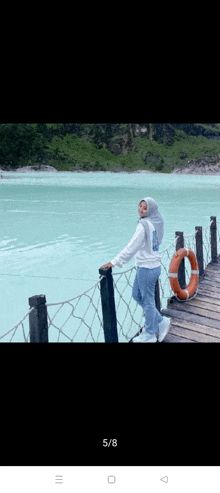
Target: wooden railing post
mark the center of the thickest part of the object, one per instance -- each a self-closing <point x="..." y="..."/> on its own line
<point x="157" y="296"/>
<point x="108" y="306"/>
<point x="38" y="319"/>
<point x="181" y="272"/>
<point x="199" y="250"/>
<point x="213" y="231"/>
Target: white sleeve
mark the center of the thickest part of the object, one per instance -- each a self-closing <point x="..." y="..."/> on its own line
<point x="131" y="249"/>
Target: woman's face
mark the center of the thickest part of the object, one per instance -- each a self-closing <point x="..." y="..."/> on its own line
<point x="142" y="209"/>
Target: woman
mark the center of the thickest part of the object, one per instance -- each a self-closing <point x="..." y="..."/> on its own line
<point x="144" y="246"/>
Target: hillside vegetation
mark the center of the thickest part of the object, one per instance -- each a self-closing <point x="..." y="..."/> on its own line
<point x="107" y="146"/>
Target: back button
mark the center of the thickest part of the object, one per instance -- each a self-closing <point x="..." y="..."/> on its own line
<point x="165" y="479"/>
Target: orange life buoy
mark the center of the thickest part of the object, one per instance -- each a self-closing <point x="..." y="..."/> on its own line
<point x="184" y="294"/>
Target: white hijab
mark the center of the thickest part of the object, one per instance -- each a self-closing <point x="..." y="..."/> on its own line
<point x="154" y="216"/>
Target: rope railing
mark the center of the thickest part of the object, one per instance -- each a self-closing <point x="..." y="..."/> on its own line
<point x="78" y="319"/>
<point x="10" y="335"/>
<point x="107" y="312"/>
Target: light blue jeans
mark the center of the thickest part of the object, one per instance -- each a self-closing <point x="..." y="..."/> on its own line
<point x="144" y="293"/>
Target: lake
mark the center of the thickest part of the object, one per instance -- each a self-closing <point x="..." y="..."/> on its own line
<point x="57" y="229"/>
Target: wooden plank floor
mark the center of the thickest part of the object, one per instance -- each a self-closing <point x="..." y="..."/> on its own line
<point x="198" y="320"/>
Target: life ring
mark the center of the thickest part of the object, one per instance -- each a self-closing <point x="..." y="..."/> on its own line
<point x="184" y="294"/>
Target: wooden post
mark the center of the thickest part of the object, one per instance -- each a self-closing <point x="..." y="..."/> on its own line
<point x="157" y="295"/>
<point x="38" y="319"/>
<point x="181" y="272"/>
<point x="108" y="306"/>
<point x="213" y="230"/>
<point x="199" y="250"/>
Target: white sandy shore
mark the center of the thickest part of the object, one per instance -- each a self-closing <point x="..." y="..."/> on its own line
<point x="50" y="169"/>
<point x="192" y="168"/>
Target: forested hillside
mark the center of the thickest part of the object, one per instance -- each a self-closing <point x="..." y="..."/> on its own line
<point x="107" y="146"/>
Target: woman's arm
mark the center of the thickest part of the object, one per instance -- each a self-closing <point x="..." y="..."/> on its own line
<point x="130" y="250"/>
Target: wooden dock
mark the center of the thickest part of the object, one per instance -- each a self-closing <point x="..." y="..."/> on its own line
<point x="197" y="320"/>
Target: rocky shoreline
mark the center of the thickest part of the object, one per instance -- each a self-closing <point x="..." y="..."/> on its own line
<point x="43" y="167"/>
<point x="207" y="166"/>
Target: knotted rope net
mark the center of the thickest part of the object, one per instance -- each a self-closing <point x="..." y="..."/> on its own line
<point x="19" y="332"/>
<point x="78" y="319"/>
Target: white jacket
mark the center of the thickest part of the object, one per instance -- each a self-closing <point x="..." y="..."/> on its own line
<point x="144" y="245"/>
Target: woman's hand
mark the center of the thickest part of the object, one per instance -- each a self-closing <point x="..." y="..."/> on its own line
<point x="106" y="266"/>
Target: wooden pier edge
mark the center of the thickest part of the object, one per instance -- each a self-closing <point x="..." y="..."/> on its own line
<point x="197" y="320"/>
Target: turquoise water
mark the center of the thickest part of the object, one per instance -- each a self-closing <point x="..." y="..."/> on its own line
<point x="57" y="229"/>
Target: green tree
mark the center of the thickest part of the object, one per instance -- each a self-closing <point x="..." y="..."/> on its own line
<point x="19" y="143"/>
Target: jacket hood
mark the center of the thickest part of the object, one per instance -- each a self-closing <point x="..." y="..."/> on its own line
<point x="154" y="216"/>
